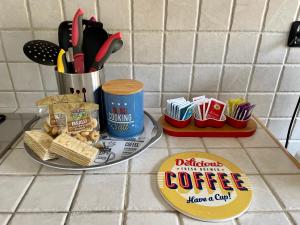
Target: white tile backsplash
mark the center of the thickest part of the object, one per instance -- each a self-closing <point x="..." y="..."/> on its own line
<point x="26" y="76"/>
<point x="206" y="78"/>
<point x="176" y="78"/>
<point x="248" y="15"/>
<point x="220" y="48"/>
<point x="238" y="51"/>
<point x="148" y="47"/>
<point x="182" y="15"/>
<point x="264" y="78"/>
<point x="215" y="14"/>
<point x="148" y="14"/>
<point x="179" y="46"/>
<point x="49" y="18"/>
<point x="280" y="14"/>
<point x="235" y="78"/>
<point x="14" y="14"/>
<point x="272" y="48"/>
<point x="210" y="47"/>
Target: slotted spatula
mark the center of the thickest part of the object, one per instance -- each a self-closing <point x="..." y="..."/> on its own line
<point x="42" y="52"/>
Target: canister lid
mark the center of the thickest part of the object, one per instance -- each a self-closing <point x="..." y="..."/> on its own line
<point x="122" y="87"/>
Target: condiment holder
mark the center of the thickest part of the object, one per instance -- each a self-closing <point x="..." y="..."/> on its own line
<point x="239" y="124"/>
<point x="210" y="122"/>
<point x="177" y="123"/>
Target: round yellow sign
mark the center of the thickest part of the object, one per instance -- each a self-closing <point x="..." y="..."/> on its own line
<point x="204" y="186"/>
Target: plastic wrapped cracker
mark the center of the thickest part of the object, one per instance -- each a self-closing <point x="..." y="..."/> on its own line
<point x="40" y="143"/>
<point x="74" y="150"/>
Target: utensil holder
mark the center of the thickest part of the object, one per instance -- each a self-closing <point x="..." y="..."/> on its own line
<point x="88" y="84"/>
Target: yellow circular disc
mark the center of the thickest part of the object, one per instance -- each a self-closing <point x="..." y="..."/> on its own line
<point x="204" y="186"/>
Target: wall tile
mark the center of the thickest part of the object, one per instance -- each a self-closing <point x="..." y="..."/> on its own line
<point x="284" y="105"/>
<point x="48" y="35"/>
<point x="212" y="9"/>
<point x="28" y="99"/>
<point x="148" y="47"/>
<point x="113" y="72"/>
<point x="150" y="75"/>
<point x="48" y="77"/>
<point x="2" y="58"/>
<point x="148" y="14"/>
<point x="166" y="96"/>
<point x="225" y="96"/>
<point x="151" y="100"/>
<point x="235" y="78"/>
<point x="26" y="76"/>
<point x="115" y="14"/>
<point x="279" y="127"/>
<point x="5" y="82"/>
<point x="207" y="94"/>
<point x="182" y="15"/>
<point x="124" y="54"/>
<point x="45" y="13"/>
<point x="179" y="46"/>
<point x="210" y="47"/>
<point x="71" y="6"/>
<point x="206" y="78"/>
<point x="177" y="78"/>
<point x="280" y="15"/>
<point x="272" y="48"/>
<point x="294" y="55"/>
<point x="8" y="99"/>
<point x="13" y="44"/>
<point x="13" y="14"/>
<point x="248" y="15"/>
<point x="264" y="78"/>
<point x="290" y="79"/>
<point x="236" y="43"/>
<point x="262" y="101"/>
<point x="293" y="147"/>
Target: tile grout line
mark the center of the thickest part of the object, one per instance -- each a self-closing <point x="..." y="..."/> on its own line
<point x="24" y="195"/>
<point x="126" y="194"/>
<point x="195" y="45"/>
<point x="281" y="204"/>
<point x="283" y="64"/>
<point x="225" y="48"/>
<point x="165" y="16"/>
<point x="257" y="47"/>
<point x="131" y="2"/>
<point x="75" y="195"/>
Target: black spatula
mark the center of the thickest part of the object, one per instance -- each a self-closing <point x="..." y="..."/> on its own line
<point x="42" y="52"/>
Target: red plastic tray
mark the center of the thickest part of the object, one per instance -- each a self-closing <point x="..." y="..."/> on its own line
<point x="192" y="131"/>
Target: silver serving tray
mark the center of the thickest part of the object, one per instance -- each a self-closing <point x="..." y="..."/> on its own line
<point x="115" y="150"/>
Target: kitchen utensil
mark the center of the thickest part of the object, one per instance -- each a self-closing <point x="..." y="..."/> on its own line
<point x="62" y="65"/>
<point x="77" y="39"/>
<point x="42" y="52"/>
<point x="112" y="44"/>
<point x="93" y="39"/>
<point x="65" y="31"/>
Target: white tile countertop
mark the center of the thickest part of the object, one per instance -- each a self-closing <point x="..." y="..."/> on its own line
<point x="127" y="194"/>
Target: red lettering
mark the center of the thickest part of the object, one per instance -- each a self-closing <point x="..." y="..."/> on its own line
<point x="179" y="162"/>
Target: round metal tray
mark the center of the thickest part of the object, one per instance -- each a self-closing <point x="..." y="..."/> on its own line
<point x="115" y="150"/>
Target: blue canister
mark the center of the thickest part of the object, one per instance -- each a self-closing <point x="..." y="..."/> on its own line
<point x="124" y="107"/>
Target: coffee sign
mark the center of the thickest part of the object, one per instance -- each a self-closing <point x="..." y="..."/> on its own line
<point x="204" y="186"/>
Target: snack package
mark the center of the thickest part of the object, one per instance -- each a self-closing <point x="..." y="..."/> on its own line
<point x="239" y="109"/>
<point x="179" y="108"/>
<point x="208" y="108"/>
<point x="78" y="119"/>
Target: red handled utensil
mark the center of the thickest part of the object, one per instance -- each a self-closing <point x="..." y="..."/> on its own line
<point x="112" y="44"/>
<point x="77" y="40"/>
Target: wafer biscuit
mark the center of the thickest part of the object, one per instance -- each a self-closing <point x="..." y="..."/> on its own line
<point x="39" y="142"/>
<point x="74" y="150"/>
